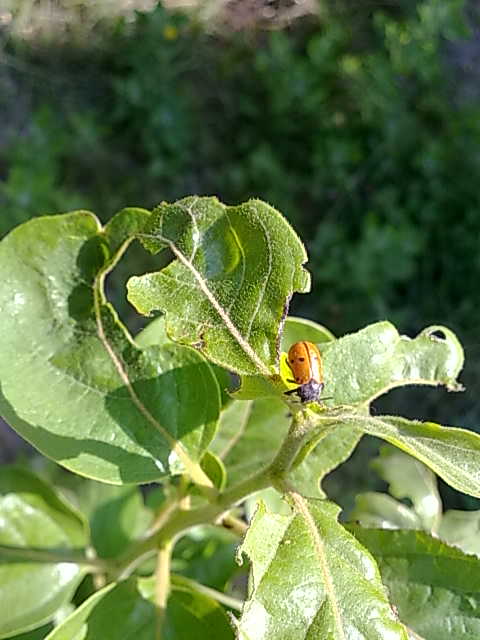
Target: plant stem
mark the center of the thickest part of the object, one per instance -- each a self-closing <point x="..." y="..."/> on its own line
<point x="162" y="584"/>
<point x="228" y="601"/>
<point x="180" y="520"/>
<point x="237" y="526"/>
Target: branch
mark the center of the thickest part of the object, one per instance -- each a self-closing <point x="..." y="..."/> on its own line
<point x="162" y="584"/>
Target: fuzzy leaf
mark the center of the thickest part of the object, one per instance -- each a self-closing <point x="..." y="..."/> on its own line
<point x="362" y="366"/>
<point x="453" y="454"/>
<point x="310" y="579"/>
<point x="227" y="291"/>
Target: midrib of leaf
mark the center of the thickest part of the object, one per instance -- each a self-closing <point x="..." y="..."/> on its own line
<point x="235" y="333"/>
<point x="302" y="508"/>
<point x="437" y="462"/>
<point x="198" y="476"/>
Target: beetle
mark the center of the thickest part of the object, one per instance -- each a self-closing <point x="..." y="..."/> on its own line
<point x="305" y="362"/>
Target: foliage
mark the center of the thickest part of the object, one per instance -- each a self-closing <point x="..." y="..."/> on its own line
<point x="353" y="122"/>
<point x="153" y="409"/>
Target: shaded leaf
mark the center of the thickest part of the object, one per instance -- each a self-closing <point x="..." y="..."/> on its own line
<point x="249" y="435"/>
<point x="206" y="554"/>
<point x="126" y="610"/>
<point x="320" y="456"/>
<point x="97" y="404"/>
<point x="311" y="579"/>
<point x="215" y="469"/>
<point x="118" y="518"/>
<point x="33" y="515"/>
<point x="37" y="634"/>
<point x="155" y="334"/>
<point x="227" y="291"/>
<point x="436" y="588"/>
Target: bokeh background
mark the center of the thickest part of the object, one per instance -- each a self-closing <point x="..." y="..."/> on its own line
<point x="358" y="119"/>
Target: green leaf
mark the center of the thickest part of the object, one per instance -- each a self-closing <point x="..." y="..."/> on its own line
<point x="378" y="510"/>
<point x="409" y="478"/>
<point x="461" y="529"/>
<point x="33" y="515"/>
<point x="127" y="610"/>
<point x="310" y="579"/>
<point x="227" y="291"/>
<point x="155" y="334"/>
<point x="215" y="469"/>
<point x="96" y="403"/>
<point x="206" y="554"/>
<point x="362" y="366"/>
<point x="37" y="634"/>
<point x="118" y="518"/>
<point x="297" y="329"/>
<point x="249" y="435"/>
<point x="320" y="456"/>
<point x="435" y="588"/>
<point x="454" y="454"/>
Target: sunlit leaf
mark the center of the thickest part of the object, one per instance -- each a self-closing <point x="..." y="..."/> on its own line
<point x="461" y="529"/>
<point x="454" y="454"/>
<point x="361" y="366"/>
<point x="310" y="579"/>
<point x="227" y="291"/>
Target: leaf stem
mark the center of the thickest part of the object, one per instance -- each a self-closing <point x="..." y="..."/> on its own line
<point x="228" y="601"/>
<point x="162" y="584"/>
<point x="237" y="526"/>
<point x="180" y="520"/>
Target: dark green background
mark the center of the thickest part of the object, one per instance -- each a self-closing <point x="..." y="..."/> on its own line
<point x="361" y="124"/>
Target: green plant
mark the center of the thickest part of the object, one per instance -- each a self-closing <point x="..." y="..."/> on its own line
<point x="154" y="409"/>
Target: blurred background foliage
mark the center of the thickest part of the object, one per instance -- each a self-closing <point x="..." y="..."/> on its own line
<point x="358" y="119"/>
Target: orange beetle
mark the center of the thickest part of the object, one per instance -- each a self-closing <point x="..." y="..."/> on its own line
<point x="305" y="362"/>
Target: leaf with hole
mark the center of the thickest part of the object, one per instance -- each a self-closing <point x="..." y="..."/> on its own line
<point x="228" y="288"/>
<point x="96" y="402"/>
